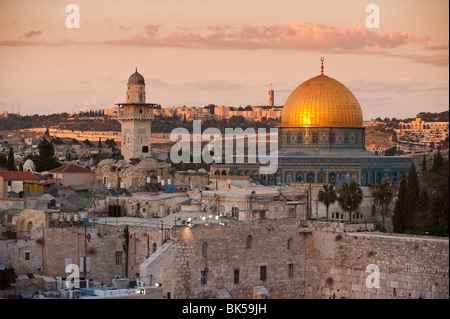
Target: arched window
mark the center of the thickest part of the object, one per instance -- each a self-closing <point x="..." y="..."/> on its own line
<point x="29" y="226"/>
<point x="154" y="247"/>
<point x="204" y="249"/>
<point x="289" y="244"/>
<point x="248" y="243"/>
<point x="322" y="178"/>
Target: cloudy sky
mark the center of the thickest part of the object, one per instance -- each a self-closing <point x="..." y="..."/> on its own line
<point x="197" y="52"/>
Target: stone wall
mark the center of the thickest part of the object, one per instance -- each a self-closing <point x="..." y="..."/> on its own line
<point x="409" y="266"/>
<point x="100" y="244"/>
<point x="226" y="251"/>
<point x="24" y="255"/>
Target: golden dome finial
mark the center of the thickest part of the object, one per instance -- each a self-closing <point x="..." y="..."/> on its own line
<point x="321" y="67"/>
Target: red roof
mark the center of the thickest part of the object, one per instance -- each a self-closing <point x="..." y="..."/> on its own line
<point x="18" y="175"/>
<point x="70" y="168"/>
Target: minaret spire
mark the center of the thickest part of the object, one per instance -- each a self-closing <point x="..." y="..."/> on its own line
<point x="321" y="67"/>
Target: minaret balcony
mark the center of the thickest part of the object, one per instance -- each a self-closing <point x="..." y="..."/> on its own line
<point x="135" y="116"/>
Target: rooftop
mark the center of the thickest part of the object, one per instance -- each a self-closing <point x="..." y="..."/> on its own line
<point x="70" y="168"/>
<point x="18" y="175"/>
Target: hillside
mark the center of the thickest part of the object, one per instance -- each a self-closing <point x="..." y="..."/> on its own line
<point x="381" y="136"/>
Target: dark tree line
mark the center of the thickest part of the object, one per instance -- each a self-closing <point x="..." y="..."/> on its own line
<point x="422" y="206"/>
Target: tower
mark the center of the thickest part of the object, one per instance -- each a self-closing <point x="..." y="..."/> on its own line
<point x="271" y="96"/>
<point x="135" y="117"/>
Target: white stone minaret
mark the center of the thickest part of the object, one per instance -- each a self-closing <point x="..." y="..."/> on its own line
<point x="136" y="118"/>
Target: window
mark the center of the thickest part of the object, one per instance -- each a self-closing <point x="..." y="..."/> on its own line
<point x="263" y="273"/>
<point x="118" y="258"/>
<point x="27" y="255"/>
<point x="154" y="247"/>
<point x="236" y="276"/>
<point x="204" y="249"/>
<point x="235" y="212"/>
<point x="203" y="277"/>
<point x="289" y="244"/>
<point x="248" y="243"/>
<point x="291" y="270"/>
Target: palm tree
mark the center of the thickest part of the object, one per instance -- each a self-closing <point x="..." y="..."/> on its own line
<point x="327" y="196"/>
<point x="382" y="196"/>
<point x="350" y="197"/>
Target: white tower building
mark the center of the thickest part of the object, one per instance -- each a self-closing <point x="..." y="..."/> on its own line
<point x="136" y="118"/>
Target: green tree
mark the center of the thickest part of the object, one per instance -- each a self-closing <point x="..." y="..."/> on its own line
<point x="412" y="195"/>
<point x="438" y="161"/>
<point x="88" y="143"/>
<point x="3" y="161"/>
<point x="350" y="197"/>
<point x="110" y="142"/>
<point x="46" y="160"/>
<point x="57" y="141"/>
<point x="422" y="222"/>
<point x="399" y="209"/>
<point x="424" y="164"/>
<point x="11" y="166"/>
<point x="382" y="196"/>
<point x="440" y="202"/>
<point x="327" y="196"/>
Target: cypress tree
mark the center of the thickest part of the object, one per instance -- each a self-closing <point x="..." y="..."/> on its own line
<point x="412" y="196"/>
<point x="437" y="162"/>
<point x="11" y="166"/>
<point x="399" y="211"/>
<point x="46" y="160"/>
<point x="424" y="164"/>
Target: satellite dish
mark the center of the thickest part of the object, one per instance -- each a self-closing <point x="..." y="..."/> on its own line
<point x="2" y="267"/>
<point x="70" y="226"/>
<point x="228" y="181"/>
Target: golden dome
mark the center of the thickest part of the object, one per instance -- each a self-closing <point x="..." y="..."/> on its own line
<point x="321" y="102"/>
